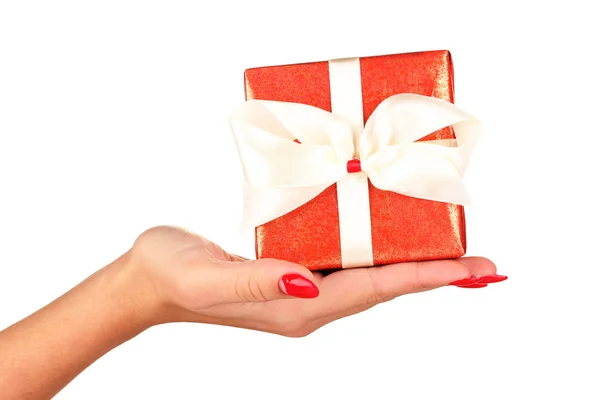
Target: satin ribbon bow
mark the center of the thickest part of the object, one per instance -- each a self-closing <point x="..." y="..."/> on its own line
<point x="282" y="175"/>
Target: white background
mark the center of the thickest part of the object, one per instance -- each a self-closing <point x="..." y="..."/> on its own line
<point x="113" y="118"/>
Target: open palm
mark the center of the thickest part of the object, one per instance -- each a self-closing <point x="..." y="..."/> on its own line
<point x="196" y="280"/>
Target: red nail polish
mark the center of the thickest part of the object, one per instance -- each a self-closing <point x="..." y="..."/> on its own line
<point x="493" y="278"/>
<point x="298" y="286"/>
<point x="467" y="281"/>
<point x="474" y="286"/>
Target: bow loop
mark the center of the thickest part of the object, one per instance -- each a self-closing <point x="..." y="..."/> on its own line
<point x="264" y="132"/>
<point x="405" y="118"/>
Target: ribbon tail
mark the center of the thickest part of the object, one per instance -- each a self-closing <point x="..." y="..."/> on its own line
<point x="264" y="204"/>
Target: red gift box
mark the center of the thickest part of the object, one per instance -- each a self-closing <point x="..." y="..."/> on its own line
<point x="403" y="228"/>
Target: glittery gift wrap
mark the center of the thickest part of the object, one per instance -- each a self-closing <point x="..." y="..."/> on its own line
<point x="403" y="228"/>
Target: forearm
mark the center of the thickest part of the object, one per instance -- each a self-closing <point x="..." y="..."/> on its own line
<point x="42" y="353"/>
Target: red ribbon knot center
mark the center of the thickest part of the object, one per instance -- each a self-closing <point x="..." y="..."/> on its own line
<point x="353" y="166"/>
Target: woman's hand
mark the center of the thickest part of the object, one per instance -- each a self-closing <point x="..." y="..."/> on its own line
<point x="171" y="275"/>
<point x="193" y="279"/>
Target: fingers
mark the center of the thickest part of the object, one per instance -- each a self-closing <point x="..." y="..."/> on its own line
<point x="259" y="281"/>
<point x="353" y="289"/>
<point x="340" y="294"/>
<point x="483" y="272"/>
<point x="479" y="266"/>
<point x="398" y="279"/>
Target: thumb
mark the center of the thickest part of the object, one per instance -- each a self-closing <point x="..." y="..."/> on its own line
<point x="264" y="280"/>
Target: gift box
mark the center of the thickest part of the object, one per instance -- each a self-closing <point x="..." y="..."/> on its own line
<point x="351" y="222"/>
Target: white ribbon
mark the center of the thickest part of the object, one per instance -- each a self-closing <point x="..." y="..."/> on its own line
<point x="354" y="210"/>
<point x="282" y="175"/>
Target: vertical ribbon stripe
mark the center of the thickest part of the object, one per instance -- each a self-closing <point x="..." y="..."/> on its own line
<point x="353" y="189"/>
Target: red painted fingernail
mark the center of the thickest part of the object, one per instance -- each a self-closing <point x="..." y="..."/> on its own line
<point x="467" y="281"/>
<point x="474" y="286"/>
<point x="493" y="278"/>
<point x="298" y="286"/>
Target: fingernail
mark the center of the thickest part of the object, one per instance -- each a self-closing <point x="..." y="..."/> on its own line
<point x="298" y="286"/>
<point x="474" y="286"/>
<point x="493" y="278"/>
<point x="467" y="281"/>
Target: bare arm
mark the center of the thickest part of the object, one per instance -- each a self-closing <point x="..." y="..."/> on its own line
<point x="42" y="353"/>
<point x="170" y="275"/>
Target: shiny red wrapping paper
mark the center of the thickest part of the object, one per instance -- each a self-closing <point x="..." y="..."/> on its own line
<point x="403" y="228"/>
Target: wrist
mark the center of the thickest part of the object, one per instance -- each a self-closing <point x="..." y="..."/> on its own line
<point x="134" y="292"/>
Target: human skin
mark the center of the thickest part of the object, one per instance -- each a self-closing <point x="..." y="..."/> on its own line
<point x="170" y="275"/>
